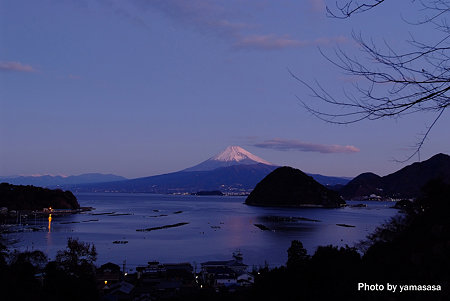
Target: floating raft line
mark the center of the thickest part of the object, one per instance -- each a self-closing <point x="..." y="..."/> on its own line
<point x="345" y="225"/>
<point x="262" y="227"/>
<point x="162" y="227"/>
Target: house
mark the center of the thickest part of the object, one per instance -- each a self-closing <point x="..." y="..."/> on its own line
<point x="221" y="276"/>
<point x="179" y="271"/>
<point x="152" y="270"/>
<point x="245" y="279"/>
<point x="119" y="292"/>
<point x="108" y="274"/>
<point x="155" y="270"/>
<point x="164" y="280"/>
<point x="223" y="272"/>
<point x="237" y="267"/>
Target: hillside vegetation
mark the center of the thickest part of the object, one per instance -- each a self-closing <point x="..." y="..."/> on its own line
<point x="19" y="197"/>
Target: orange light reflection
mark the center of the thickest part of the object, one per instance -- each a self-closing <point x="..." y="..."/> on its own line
<point x="49" y="222"/>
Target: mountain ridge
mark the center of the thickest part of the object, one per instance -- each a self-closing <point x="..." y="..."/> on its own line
<point x="404" y="183"/>
<point x="236" y="179"/>
<point x="233" y="171"/>
<point x="59" y="181"/>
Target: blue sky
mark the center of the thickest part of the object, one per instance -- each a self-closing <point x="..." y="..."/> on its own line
<point x="143" y="87"/>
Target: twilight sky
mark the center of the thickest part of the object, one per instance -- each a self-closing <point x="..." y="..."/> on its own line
<point x="143" y="87"/>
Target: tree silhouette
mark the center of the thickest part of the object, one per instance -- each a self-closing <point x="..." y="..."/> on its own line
<point x="297" y="254"/>
<point x="390" y="83"/>
<point x="77" y="254"/>
<point x="72" y="275"/>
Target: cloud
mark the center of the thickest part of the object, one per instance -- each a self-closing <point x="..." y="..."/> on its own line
<point x="71" y="76"/>
<point x="204" y="16"/>
<point x="215" y="18"/>
<point x="16" y="66"/>
<point x="273" y="42"/>
<point x="267" y="42"/>
<point x="317" y="5"/>
<point x="298" y="145"/>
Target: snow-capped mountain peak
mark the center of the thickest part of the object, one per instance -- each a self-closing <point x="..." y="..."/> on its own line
<point x="237" y="153"/>
<point x="232" y="155"/>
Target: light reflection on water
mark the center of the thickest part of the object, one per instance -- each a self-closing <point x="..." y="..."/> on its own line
<point x="217" y="227"/>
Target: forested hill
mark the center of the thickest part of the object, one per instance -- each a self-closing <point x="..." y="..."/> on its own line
<point x="19" y="197"/>
<point x="404" y="183"/>
<point x="290" y="187"/>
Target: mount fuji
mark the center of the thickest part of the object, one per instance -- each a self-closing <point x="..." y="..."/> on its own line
<point x="233" y="171"/>
<point x="232" y="155"/>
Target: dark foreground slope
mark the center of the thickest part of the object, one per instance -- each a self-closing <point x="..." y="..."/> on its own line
<point x="289" y="187"/>
<point x="411" y="250"/>
<point x="19" y="197"/>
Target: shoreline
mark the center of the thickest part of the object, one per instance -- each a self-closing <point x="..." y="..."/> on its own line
<point x="24" y="217"/>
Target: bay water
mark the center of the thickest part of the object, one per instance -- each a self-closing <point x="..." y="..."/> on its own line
<point x="206" y="228"/>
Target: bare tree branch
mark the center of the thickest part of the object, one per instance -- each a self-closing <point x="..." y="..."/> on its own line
<point x="391" y="83"/>
<point x="349" y="8"/>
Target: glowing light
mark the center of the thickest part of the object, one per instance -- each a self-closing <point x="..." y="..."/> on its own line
<point x="49" y="222"/>
<point x="106" y="282"/>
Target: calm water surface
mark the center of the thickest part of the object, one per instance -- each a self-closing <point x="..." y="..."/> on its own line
<point x="216" y="227"/>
